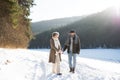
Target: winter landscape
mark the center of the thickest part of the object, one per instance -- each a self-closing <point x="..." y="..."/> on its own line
<point x="92" y="64"/>
<point x="30" y="28"/>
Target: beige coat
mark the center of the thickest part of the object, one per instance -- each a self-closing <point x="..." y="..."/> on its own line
<point x="53" y="51"/>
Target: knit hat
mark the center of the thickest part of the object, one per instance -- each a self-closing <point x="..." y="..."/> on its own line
<point x="55" y="33"/>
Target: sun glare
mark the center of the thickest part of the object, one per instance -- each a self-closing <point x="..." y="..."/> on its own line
<point x="51" y="9"/>
<point x="116" y="5"/>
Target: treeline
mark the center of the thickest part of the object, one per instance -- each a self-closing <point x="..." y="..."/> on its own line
<point x="97" y="30"/>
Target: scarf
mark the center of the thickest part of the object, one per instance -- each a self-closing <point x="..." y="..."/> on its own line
<point x="69" y="39"/>
<point x="56" y="42"/>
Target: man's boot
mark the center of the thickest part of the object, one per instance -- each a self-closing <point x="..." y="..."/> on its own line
<point x="71" y="69"/>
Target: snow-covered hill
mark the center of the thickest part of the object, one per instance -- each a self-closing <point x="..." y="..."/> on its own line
<point x="92" y="64"/>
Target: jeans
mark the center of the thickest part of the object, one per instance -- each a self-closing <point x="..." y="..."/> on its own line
<point x="72" y="60"/>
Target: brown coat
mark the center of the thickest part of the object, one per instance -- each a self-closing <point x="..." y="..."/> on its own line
<point x="53" y="50"/>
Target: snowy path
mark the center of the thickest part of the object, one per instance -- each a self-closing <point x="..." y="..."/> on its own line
<point x="33" y="65"/>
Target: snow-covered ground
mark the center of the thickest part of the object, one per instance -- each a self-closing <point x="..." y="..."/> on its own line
<point x="92" y="64"/>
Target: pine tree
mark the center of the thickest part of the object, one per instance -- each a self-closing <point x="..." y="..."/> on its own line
<point x="15" y="30"/>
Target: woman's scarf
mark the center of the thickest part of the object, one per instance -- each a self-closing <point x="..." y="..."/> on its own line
<point x="56" y="42"/>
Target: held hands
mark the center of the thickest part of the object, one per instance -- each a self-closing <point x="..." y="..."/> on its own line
<point x="60" y="51"/>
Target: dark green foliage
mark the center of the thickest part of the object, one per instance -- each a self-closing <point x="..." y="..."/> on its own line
<point x="15" y="31"/>
<point x="97" y="30"/>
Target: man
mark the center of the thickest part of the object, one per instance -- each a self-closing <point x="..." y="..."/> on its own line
<point x="73" y="47"/>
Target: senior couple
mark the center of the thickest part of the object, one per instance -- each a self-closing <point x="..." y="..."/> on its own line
<point x="72" y="45"/>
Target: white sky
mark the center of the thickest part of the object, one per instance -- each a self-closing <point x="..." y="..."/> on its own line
<point x="51" y="9"/>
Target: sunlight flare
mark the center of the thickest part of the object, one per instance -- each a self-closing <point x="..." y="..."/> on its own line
<point x="116" y="5"/>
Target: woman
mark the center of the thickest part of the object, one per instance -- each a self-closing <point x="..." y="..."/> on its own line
<point x="55" y="53"/>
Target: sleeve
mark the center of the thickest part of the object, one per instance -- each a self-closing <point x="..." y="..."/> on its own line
<point x="65" y="47"/>
<point x="53" y="45"/>
<point x="66" y="44"/>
